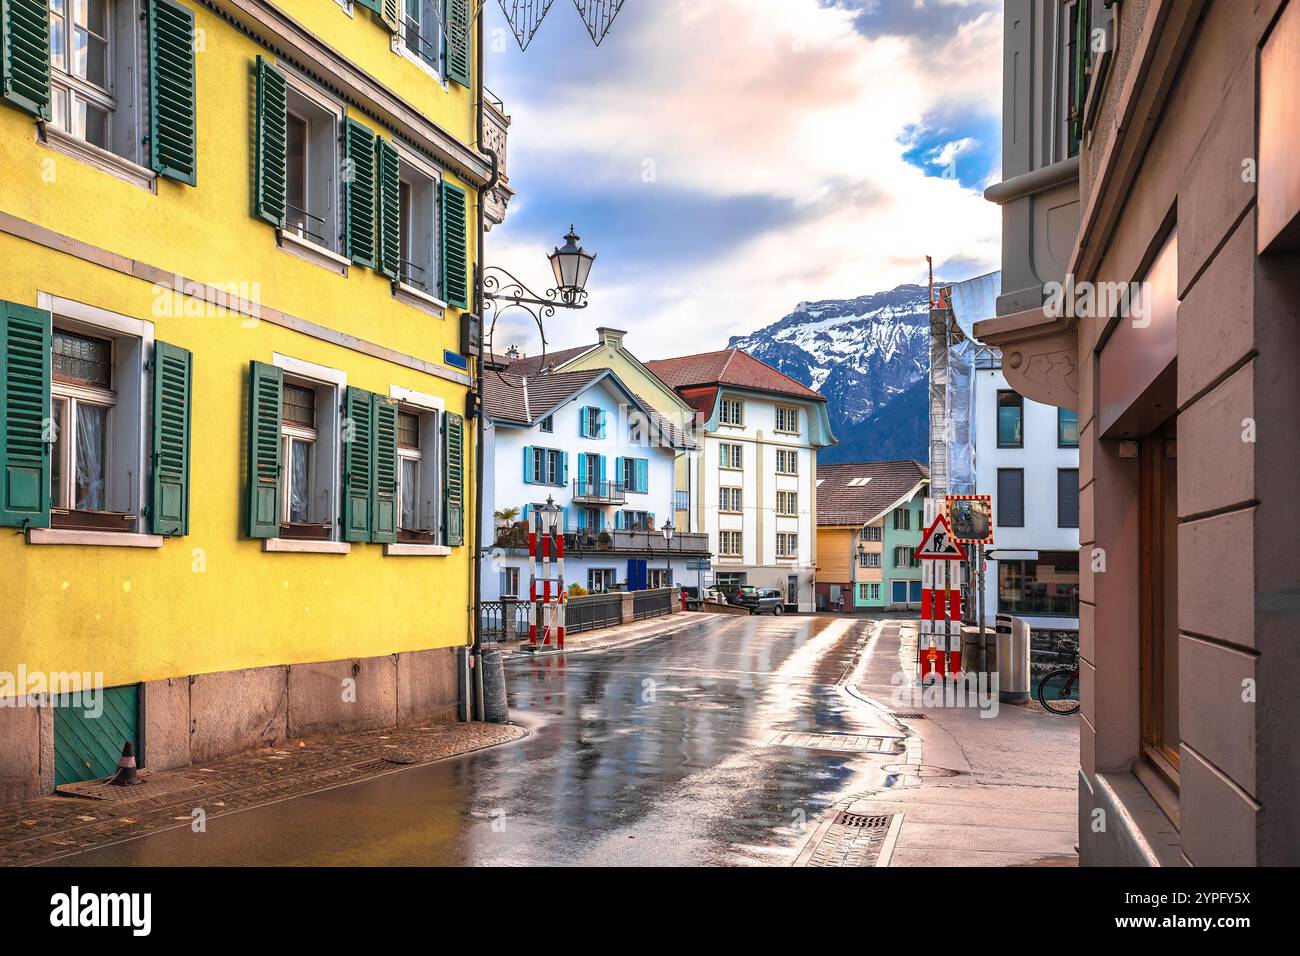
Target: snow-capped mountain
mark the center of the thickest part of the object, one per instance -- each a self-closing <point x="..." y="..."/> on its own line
<point x="869" y="356"/>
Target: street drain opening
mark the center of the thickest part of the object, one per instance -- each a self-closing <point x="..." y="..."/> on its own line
<point x="847" y="819"/>
<point x="903" y="716"/>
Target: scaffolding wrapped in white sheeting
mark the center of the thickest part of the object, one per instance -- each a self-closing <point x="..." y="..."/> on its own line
<point x="953" y="353"/>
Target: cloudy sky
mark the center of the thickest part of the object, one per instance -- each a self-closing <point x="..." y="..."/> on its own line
<point x="728" y="159"/>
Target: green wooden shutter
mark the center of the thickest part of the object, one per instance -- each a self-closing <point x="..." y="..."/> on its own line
<point x="359" y="194"/>
<point x="453" y="480"/>
<point x="383" y="495"/>
<point x="265" y="392"/>
<point x="358" y="445"/>
<point x="455" y="253"/>
<point x="173" y="150"/>
<point x="1082" y="60"/>
<point x="370" y="4"/>
<point x="24" y="416"/>
<point x="458" y="54"/>
<point x="270" y="195"/>
<point x="390" y="213"/>
<point x="172" y="389"/>
<point x="25" y="54"/>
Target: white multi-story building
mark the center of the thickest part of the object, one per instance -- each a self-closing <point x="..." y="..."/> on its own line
<point x="587" y="443"/>
<point x="756" y="473"/>
<point x="1027" y="457"/>
<point x="1023" y="453"/>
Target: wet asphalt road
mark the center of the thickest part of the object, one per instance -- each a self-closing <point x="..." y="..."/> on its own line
<point x="649" y="754"/>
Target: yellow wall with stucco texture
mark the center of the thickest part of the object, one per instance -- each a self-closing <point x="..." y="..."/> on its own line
<point x="213" y="600"/>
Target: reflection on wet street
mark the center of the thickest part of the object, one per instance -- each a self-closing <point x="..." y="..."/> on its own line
<point x="654" y="753"/>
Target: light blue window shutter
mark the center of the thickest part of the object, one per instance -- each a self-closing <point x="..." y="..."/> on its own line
<point x="600" y="517"/>
<point x="619" y="471"/>
<point x="582" y="519"/>
<point x="564" y="468"/>
<point x="582" y="468"/>
<point x="643" y="474"/>
<point x="601" y="416"/>
<point x="565" y="509"/>
<point x="601" y="473"/>
<point x="528" y="464"/>
<point x="619" y="521"/>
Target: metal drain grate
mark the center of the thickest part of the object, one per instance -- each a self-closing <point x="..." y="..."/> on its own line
<point x="839" y="743"/>
<point x="847" y="819"/>
<point x="906" y="716"/>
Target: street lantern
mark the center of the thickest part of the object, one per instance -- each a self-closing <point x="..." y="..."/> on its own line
<point x="550" y="516"/>
<point x="862" y="554"/>
<point x="667" y="531"/>
<point x="572" y="265"/>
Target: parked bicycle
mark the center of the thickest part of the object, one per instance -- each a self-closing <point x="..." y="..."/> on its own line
<point x="1058" y="691"/>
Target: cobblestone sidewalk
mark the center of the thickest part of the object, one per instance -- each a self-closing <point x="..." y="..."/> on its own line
<point x="46" y="828"/>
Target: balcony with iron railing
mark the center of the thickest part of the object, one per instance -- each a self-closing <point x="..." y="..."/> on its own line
<point x="599" y="492"/>
<point x="618" y="541"/>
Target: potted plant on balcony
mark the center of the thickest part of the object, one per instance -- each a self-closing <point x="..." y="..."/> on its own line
<point x="605" y="540"/>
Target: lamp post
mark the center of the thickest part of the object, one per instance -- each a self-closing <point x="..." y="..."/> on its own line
<point x="550" y="516"/>
<point x="667" y="531"/>
<point x="861" y="557"/>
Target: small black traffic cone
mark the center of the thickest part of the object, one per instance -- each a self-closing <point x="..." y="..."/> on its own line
<point x="126" y="775"/>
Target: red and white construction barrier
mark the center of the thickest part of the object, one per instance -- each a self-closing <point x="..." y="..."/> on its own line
<point x="548" y="608"/>
<point x="939" y="645"/>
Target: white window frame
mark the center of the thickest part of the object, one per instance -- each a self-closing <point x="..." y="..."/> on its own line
<point x="509" y="573"/>
<point x="608" y="580"/>
<point x="430" y="408"/>
<point x="871" y="532"/>
<point x="437" y="70"/>
<point x="291" y="434"/>
<point x="416" y="172"/>
<point x="327" y="463"/>
<point x="783" y="415"/>
<point x="787" y="544"/>
<point x="787" y="461"/>
<point x="725" y="541"/>
<point x="731" y="500"/>
<point x="787" y="503"/>
<point x="327" y="251"/>
<point x="731" y="411"/>
<point x="735" y="456"/>
<point x="126" y="440"/>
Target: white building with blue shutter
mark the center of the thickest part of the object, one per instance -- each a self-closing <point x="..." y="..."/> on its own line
<point x="584" y="440"/>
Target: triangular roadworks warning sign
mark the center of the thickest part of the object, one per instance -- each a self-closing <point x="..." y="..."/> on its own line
<point x="938" y="544"/>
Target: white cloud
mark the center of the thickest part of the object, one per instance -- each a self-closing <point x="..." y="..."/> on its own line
<point x="779" y="98"/>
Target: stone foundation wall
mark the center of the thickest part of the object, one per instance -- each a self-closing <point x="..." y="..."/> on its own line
<point x="203" y="717"/>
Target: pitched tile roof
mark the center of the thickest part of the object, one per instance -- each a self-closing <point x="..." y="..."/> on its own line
<point x="727" y="367"/>
<point x="533" y="364"/>
<point x="844" y="498"/>
<point x="508" y="397"/>
<point x="523" y="400"/>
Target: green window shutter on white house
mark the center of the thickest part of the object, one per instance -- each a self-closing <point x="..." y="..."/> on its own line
<point x="390" y="213"/>
<point x="173" y="147"/>
<point x="172" y="389"/>
<point x="458" y="51"/>
<point x="358" y="455"/>
<point x="455" y="252"/>
<point x="25" y="54"/>
<point x="265" y="396"/>
<point x="25" y="424"/>
<point x="359" y="194"/>
<point x="270" y="196"/>
<point x="383" y="492"/>
<point x="453" y="480"/>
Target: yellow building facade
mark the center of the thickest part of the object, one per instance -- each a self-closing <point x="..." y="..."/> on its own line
<point x="237" y="250"/>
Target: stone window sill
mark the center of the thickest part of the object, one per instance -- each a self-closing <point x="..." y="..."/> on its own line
<point x="297" y="546"/>
<point x="419" y="300"/>
<point x="417" y="550"/>
<point x="309" y="251"/>
<point x="92" y="155"/>
<point x="103" y="539"/>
